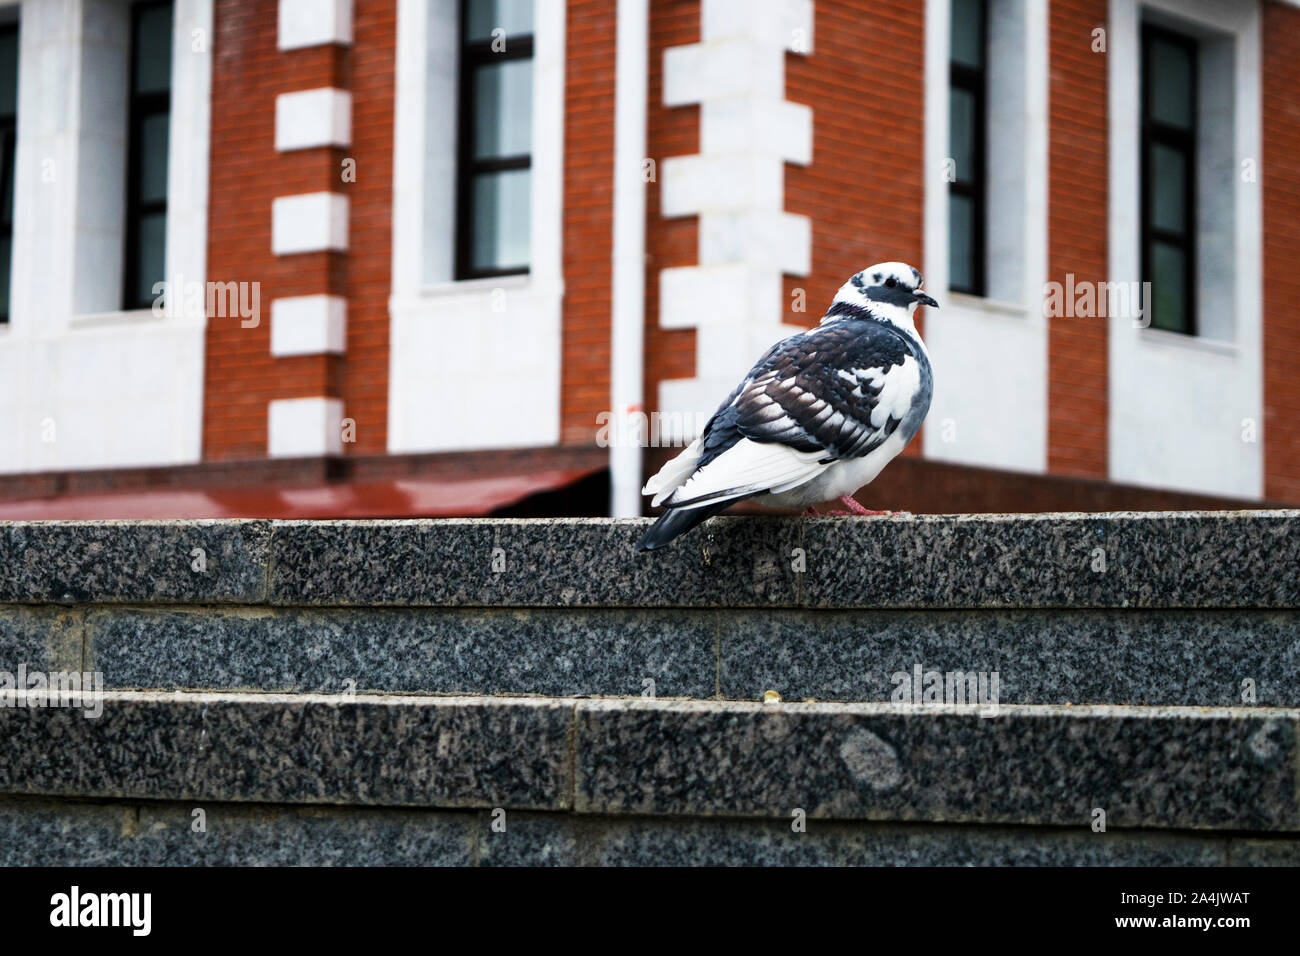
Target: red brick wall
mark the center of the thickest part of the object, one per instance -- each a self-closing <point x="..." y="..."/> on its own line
<point x="836" y="80"/>
<point x="1077" y="373"/>
<point x="669" y="353"/>
<point x="364" y="380"/>
<point x="247" y="174"/>
<point x="884" y="220"/>
<point x="588" y="215"/>
<point x="1280" y="177"/>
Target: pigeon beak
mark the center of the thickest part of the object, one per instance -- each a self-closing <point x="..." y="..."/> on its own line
<point x="924" y="299"/>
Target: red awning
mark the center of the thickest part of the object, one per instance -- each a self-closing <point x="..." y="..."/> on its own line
<point x="405" y="498"/>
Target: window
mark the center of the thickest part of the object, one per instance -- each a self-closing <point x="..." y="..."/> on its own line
<point x="495" y="138"/>
<point x="1169" y="75"/>
<point x="967" y="112"/>
<point x="149" y="120"/>
<point x="8" y="129"/>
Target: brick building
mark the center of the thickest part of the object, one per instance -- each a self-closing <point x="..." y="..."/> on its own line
<point x="403" y="257"/>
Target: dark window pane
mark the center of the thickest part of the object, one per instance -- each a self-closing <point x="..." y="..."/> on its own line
<point x="484" y="16"/>
<point x="7" y="140"/>
<point x="503" y="109"/>
<point x="968" y="32"/>
<point x="153" y="49"/>
<point x="150" y="252"/>
<point x="6" y="257"/>
<point x="153" y="157"/>
<point x="8" y="72"/>
<point x="1168" y="188"/>
<point x="961" y="242"/>
<point x="8" y="122"/>
<point x="1168" y="287"/>
<point x="501" y="220"/>
<point x="961" y="133"/>
<point x="1172" y="82"/>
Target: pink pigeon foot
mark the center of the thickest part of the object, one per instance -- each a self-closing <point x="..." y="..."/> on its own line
<point x="854" y="508"/>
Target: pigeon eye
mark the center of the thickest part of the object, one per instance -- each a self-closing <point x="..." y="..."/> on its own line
<point x="891" y="282"/>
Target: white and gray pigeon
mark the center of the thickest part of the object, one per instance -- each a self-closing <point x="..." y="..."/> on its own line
<point x="817" y="418"/>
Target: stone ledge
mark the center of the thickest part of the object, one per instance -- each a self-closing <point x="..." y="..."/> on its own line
<point x="309" y="749"/>
<point x="1042" y="656"/>
<point x="1184" y="768"/>
<point x="41" y="831"/>
<point x="70" y="562"/>
<point x="1138" y="560"/>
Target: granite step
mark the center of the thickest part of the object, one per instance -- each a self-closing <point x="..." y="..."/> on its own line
<point x="1140" y="768"/>
<point x="1175" y="610"/>
<point x="52" y="831"/>
<point x="1151" y="560"/>
<point x="1030" y="656"/>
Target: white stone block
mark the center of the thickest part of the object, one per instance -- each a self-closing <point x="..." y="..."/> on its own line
<point x="691" y="296"/>
<point x="311" y="118"/>
<point x="298" y="427"/>
<point x="309" y="222"/>
<point x="778" y="240"/>
<point x="734" y="181"/>
<point x="705" y="71"/>
<point x="785" y="23"/>
<point x="306" y="23"/>
<point x="758" y="127"/>
<point x="309" y="325"/>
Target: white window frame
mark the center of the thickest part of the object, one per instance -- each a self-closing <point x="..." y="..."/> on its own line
<point x="1186" y="410"/>
<point x="990" y="352"/>
<point x="496" y="342"/>
<point x="116" y="388"/>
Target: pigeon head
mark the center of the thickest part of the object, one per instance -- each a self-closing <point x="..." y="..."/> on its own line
<point x="890" y="291"/>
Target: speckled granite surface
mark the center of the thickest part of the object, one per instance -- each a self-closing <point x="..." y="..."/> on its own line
<point x="1206" y="559"/>
<point x="134" y="561"/>
<point x="521" y="563"/>
<point x="1169" y="657"/>
<point x="1081" y="609"/>
<point x="443" y="752"/>
<point x="549" y="652"/>
<point x="1145" y="767"/>
<point x="42" y="831"/>
<point x="1212" y="559"/>
<point x="41" y="638"/>
<point x="1173" y="657"/>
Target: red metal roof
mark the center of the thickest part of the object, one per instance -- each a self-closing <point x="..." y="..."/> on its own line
<point x="404" y="498"/>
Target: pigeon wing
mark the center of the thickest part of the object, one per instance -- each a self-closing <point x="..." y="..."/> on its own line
<point x="830" y="394"/>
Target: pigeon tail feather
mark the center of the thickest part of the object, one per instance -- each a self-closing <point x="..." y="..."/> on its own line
<point x="676" y="522"/>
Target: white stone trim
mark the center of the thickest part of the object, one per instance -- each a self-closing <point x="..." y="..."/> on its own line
<point x="736" y="186"/>
<point x="310" y="118"/>
<point x="309" y="222"/>
<point x="308" y="325"/>
<point x="1178" y="404"/>
<point x="990" y="354"/>
<point x="304" y="23"/>
<point x="115" y="389"/>
<point x="505" y="333"/>
<point x="627" y="280"/>
<point x="302" y="427"/>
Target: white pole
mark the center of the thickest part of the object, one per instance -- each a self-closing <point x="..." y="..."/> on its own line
<point x="627" y="324"/>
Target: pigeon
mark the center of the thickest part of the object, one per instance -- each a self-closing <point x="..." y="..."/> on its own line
<point x="819" y="415"/>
